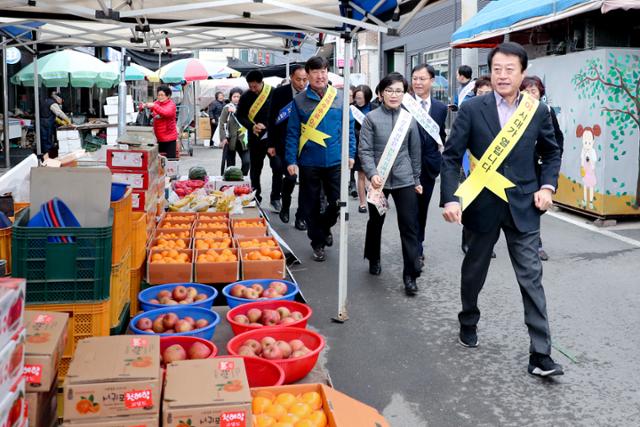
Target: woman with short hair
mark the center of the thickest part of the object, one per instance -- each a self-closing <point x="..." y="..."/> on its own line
<point x="233" y="136"/>
<point x="163" y="111"/>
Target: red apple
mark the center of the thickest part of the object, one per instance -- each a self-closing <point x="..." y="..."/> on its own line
<point x="198" y="351"/>
<point x="163" y="294"/>
<point x="154" y="301"/>
<point x="200" y="297"/>
<point x="179" y="293"/>
<point x="190" y="320"/>
<point x="270" y="293"/>
<point x="257" y="287"/>
<point x="297" y="353"/>
<point x="296" y="344"/>
<point x="280" y="287"/>
<point x="241" y="318"/>
<point x="237" y="291"/>
<point x="183" y="326"/>
<point x="249" y="293"/>
<point x="254" y="345"/>
<point x="202" y="323"/>
<point x="170" y="320"/>
<point x="269" y="317"/>
<point x="245" y="350"/>
<point x="297" y="315"/>
<point x="285" y="348"/>
<point x="259" y="325"/>
<point x="158" y="325"/>
<point x="173" y="353"/>
<point x="169" y="331"/>
<point x="272" y="352"/>
<point x="287" y="321"/>
<point x="283" y="312"/>
<point x="144" y="323"/>
<point x="192" y="292"/>
<point x="267" y="342"/>
<point x="254" y="314"/>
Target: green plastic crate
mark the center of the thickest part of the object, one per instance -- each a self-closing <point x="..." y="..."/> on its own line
<point x="123" y="324"/>
<point x="62" y="272"/>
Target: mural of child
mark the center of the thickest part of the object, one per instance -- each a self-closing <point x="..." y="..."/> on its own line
<point x="588" y="159"/>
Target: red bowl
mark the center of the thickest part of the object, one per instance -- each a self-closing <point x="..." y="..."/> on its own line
<point x="262" y="372"/>
<point x="186" y="342"/>
<point x="239" y="328"/>
<point x="294" y="369"/>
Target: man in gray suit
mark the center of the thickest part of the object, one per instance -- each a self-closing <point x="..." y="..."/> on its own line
<point x="528" y="194"/>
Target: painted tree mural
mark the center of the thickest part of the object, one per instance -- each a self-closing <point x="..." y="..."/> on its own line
<point x="614" y="89"/>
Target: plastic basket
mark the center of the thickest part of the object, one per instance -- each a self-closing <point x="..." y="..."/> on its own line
<point x="181" y="311"/>
<point x="62" y="272"/>
<point x="138" y="238"/>
<point x="123" y="322"/>
<point x="5" y="247"/>
<point x="121" y="226"/>
<point x="120" y="288"/>
<point x="136" y="275"/>
<point x="85" y="320"/>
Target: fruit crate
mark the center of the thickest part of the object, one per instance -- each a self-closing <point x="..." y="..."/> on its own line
<point x="261" y="269"/>
<point x="62" y="272"/>
<point x="85" y="320"/>
<point x="136" y="276"/>
<point x="216" y="272"/>
<point x="120" y="288"/>
<point x="5" y="247"/>
<point x="121" y="226"/>
<point x="160" y="272"/>
<point x="138" y="238"/>
<point x="123" y="322"/>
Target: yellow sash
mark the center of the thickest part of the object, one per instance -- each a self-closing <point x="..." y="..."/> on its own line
<point x="485" y="174"/>
<point x="308" y="131"/>
<point x="259" y="102"/>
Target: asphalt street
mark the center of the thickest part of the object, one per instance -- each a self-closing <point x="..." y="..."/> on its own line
<point x="401" y="356"/>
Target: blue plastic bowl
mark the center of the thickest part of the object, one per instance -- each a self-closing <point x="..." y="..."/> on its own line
<point x="182" y="312"/>
<point x="292" y="291"/>
<point x="39" y="220"/>
<point x="118" y="191"/>
<point x="150" y="293"/>
<point x="65" y="217"/>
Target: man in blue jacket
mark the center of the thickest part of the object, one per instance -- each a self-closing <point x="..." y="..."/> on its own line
<point x="313" y="150"/>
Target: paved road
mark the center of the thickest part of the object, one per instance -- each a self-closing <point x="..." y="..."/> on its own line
<point x="400" y="354"/>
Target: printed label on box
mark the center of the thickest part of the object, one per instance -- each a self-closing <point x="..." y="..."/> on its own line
<point x="139" y="342"/>
<point x="135" y="180"/>
<point x="43" y="318"/>
<point x="133" y="160"/>
<point x="138" y="399"/>
<point x="33" y="373"/>
<point x="226" y="365"/>
<point x="233" y="419"/>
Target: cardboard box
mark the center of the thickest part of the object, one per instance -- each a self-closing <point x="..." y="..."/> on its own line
<point x="159" y="273"/>
<point x="207" y="391"/>
<point x="137" y="179"/>
<point x="132" y="421"/>
<point x="113" y="100"/>
<point x="259" y="269"/>
<point x="143" y="157"/>
<point x="173" y="168"/>
<point x="219" y="182"/>
<point x="42" y="408"/>
<point x="12" y="296"/>
<point x="13" y="406"/>
<point x="216" y="272"/>
<point x="258" y="228"/>
<point x="341" y="410"/>
<point x="113" y="376"/>
<point x="204" y="128"/>
<point x="11" y="362"/>
<point x="46" y="341"/>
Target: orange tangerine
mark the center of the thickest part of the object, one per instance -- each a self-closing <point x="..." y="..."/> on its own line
<point x="281" y="424"/>
<point x="304" y="423"/>
<point x="313" y="398"/>
<point x="318" y="417"/>
<point x="260" y="405"/>
<point x="286" y="400"/>
<point x="263" y="420"/>
<point x="276" y="410"/>
<point x="300" y="409"/>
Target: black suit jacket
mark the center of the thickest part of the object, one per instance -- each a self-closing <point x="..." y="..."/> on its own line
<point x="277" y="133"/>
<point x="242" y="114"/>
<point x="475" y="128"/>
<point x="431" y="157"/>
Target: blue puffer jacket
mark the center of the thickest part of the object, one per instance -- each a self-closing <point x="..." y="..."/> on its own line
<point x="314" y="154"/>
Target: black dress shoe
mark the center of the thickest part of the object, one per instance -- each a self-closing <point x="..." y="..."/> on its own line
<point x="468" y="336"/>
<point x="301" y="225"/>
<point x="328" y="241"/>
<point x="362" y="209"/>
<point x="276" y="206"/>
<point x="375" y="268"/>
<point x="410" y="286"/>
<point x="284" y="216"/>
<point x="318" y="254"/>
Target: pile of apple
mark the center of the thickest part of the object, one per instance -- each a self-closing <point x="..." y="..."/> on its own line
<point x="281" y="316"/>
<point x="179" y="295"/>
<point x="177" y="352"/>
<point x="257" y="291"/>
<point x="272" y="349"/>
<point x="170" y="323"/>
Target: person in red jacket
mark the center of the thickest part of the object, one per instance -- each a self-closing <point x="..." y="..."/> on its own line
<point x="164" y="121"/>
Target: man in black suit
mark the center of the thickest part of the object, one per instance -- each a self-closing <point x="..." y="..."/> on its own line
<point x="422" y="78"/>
<point x="479" y="121"/>
<point x="257" y="126"/>
<point x="281" y="103"/>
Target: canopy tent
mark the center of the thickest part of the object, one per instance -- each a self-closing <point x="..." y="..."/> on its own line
<point x="501" y="17"/>
<point x="186" y="25"/>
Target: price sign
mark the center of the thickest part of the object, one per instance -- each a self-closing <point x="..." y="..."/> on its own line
<point x="136" y="399"/>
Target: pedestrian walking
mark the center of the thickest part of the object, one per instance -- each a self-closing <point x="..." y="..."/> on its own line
<point x="214" y="111"/>
<point x="507" y="132"/>
<point x="533" y="86"/>
<point x="253" y="114"/>
<point x="360" y="108"/>
<point x="281" y="107"/>
<point x="233" y="136"/>
<point x="313" y="150"/>
<point x="390" y="158"/>
<point x="163" y="111"/>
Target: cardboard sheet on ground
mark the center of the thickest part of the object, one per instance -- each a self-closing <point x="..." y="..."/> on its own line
<point x="87" y="192"/>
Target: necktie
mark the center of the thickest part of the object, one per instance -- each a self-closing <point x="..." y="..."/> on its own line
<point x="424" y="104"/>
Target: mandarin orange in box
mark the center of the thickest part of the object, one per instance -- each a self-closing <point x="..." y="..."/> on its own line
<point x="201" y="234"/>
<point x="255" y="243"/>
<point x="214" y="225"/>
<point x="263" y="254"/>
<point x="302" y="410"/>
<point x="180" y="235"/>
<point x="170" y="244"/>
<point x="171" y="256"/>
<point x="243" y="223"/>
<point x="177" y="225"/>
<point x="223" y="243"/>
<point x="226" y="255"/>
<point x="181" y="217"/>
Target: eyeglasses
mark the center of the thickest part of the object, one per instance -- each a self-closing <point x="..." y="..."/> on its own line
<point x="397" y="92"/>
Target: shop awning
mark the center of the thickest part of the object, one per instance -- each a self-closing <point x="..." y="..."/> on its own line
<point x="501" y="17"/>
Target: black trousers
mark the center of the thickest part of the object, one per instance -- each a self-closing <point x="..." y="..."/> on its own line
<point x="407" y="211"/>
<point x="312" y="181"/>
<point x="168" y="148"/>
<point x="523" y="251"/>
<point x="423" y="207"/>
<point x="257" y="153"/>
<point x="287" y="184"/>
<point x="229" y="157"/>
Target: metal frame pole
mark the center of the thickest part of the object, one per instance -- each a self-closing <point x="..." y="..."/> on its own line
<point x="196" y="124"/>
<point x="344" y="188"/>
<point x="122" y="96"/>
<point x="36" y="97"/>
<point x="5" y="101"/>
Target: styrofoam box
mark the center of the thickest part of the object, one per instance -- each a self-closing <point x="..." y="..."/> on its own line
<point x="113" y="100"/>
<point x="67" y="134"/>
<point x="111" y="110"/>
<point x="113" y="119"/>
<point x="112" y="139"/>
<point x="69" y="145"/>
<point x="112" y="130"/>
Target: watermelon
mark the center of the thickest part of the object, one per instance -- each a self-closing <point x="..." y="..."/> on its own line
<point x="198" y="172"/>
<point x="233" y="173"/>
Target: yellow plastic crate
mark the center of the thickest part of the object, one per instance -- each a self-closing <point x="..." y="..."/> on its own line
<point x="138" y="238"/>
<point x="5" y="247"/>
<point x="136" y="279"/>
<point x="120" y="288"/>
<point x="85" y="320"/>
<point x="121" y="226"/>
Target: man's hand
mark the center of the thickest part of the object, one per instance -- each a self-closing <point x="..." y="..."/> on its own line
<point x="351" y="163"/>
<point x="224" y="142"/>
<point x="292" y="169"/>
<point x="271" y="151"/>
<point x="452" y="213"/>
<point x="376" y="182"/>
<point x="149" y="105"/>
<point x="256" y="129"/>
<point x="543" y="199"/>
<point x="419" y="189"/>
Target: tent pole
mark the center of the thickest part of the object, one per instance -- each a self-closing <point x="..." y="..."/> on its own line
<point x="122" y="96"/>
<point x="36" y="97"/>
<point x="344" y="188"/>
<point x="288" y="67"/>
<point x="5" y="101"/>
<point x="196" y="54"/>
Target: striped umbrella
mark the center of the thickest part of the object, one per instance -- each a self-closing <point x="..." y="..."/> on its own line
<point x="186" y="70"/>
<point x="133" y="72"/>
